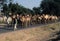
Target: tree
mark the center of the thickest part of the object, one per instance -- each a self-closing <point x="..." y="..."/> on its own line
<point x="2" y="3"/>
<point x="50" y="7"/>
<point x="5" y="9"/>
<point x="36" y="10"/>
<point x="16" y="9"/>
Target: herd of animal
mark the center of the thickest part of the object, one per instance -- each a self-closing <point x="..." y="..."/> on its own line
<point x="27" y="20"/>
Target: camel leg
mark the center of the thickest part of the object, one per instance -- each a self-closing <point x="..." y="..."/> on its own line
<point x="22" y="24"/>
<point x="29" y="23"/>
<point x="26" y="25"/>
<point x="45" y="22"/>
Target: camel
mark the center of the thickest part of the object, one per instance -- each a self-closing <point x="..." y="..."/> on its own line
<point x="34" y="19"/>
<point x="9" y="20"/>
<point x="5" y="19"/>
<point x="1" y="19"/>
<point x="28" y="20"/>
<point x="23" y="20"/>
<point x="39" y="19"/>
<point x="54" y="18"/>
<point x="46" y="18"/>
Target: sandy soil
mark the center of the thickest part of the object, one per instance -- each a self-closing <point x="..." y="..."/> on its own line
<point x="42" y="33"/>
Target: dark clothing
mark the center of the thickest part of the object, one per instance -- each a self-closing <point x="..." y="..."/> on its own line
<point x="18" y="20"/>
<point x="14" y="21"/>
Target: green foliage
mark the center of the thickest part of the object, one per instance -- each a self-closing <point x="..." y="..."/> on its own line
<point x="16" y="8"/>
<point x="36" y="10"/>
<point x="5" y="8"/>
<point x="50" y="6"/>
<point x="46" y="7"/>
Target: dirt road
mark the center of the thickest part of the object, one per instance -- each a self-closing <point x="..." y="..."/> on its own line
<point x="40" y="33"/>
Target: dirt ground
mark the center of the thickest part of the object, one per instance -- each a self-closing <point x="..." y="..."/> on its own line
<point x="42" y="33"/>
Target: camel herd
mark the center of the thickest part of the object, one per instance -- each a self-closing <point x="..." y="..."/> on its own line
<point x="27" y="20"/>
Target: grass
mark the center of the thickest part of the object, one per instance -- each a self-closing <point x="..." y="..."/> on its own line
<point x="32" y="34"/>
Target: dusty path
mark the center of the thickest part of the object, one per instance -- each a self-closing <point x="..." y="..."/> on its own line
<point x="42" y="33"/>
<point x="25" y="35"/>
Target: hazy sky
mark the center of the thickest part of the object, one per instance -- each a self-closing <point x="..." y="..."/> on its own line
<point x="28" y="3"/>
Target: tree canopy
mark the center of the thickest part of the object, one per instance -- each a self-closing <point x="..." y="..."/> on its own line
<point x="46" y="7"/>
<point x="16" y="8"/>
<point x="50" y="7"/>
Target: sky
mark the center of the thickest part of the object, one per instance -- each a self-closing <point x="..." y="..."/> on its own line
<point x="28" y="3"/>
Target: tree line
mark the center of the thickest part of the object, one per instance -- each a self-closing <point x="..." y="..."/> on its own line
<point x="15" y="9"/>
<point x="51" y="7"/>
